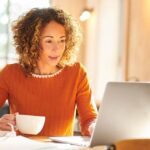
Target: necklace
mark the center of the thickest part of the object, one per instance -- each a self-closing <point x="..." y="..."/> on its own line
<point x="47" y="75"/>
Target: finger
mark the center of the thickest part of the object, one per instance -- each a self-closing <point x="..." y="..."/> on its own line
<point x="5" y="121"/>
<point x="91" y="128"/>
<point x="5" y="127"/>
<point x="16" y="113"/>
<point x="9" y="116"/>
<point x="11" y="126"/>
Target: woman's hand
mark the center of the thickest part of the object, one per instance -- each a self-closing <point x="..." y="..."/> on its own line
<point x="7" y="121"/>
<point x="91" y="128"/>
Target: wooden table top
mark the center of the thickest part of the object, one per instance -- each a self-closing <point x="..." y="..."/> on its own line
<point x="40" y="138"/>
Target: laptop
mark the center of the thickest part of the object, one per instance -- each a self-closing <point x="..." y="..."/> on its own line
<point x="124" y="114"/>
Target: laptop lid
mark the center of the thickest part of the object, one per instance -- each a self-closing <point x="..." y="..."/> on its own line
<point x="124" y="113"/>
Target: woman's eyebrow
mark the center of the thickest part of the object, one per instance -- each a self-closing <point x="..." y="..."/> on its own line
<point x="49" y="36"/>
<point x="63" y="36"/>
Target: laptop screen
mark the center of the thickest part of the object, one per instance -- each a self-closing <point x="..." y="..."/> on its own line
<point x="124" y="113"/>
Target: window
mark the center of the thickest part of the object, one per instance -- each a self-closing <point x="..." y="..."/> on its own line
<point x="9" y="11"/>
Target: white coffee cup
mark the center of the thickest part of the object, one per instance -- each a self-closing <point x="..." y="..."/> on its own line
<point x="28" y="124"/>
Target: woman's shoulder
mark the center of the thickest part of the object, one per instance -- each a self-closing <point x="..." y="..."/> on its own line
<point x="9" y="68"/>
<point x="76" y="67"/>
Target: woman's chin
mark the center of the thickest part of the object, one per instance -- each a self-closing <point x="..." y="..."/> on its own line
<point x="53" y="63"/>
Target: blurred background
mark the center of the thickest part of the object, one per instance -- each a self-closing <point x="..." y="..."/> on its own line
<point x="115" y="46"/>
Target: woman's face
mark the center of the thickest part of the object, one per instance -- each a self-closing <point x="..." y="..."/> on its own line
<point x="52" y="44"/>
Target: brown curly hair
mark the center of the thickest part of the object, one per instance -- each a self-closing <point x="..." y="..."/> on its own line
<point x="26" y="34"/>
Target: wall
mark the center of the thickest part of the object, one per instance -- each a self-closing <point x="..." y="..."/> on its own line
<point x="103" y="47"/>
<point x="137" y="43"/>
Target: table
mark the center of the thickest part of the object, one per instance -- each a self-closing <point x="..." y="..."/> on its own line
<point x="46" y="139"/>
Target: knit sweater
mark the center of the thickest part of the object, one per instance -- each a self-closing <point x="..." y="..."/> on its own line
<point x="54" y="96"/>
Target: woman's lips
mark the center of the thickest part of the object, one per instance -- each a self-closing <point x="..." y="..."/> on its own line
<point x="53" y="58"/>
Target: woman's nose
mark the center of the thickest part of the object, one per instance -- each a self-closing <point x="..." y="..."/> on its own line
<point x="55" y="46"/>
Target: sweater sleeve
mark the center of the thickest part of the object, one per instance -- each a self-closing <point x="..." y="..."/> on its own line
<point x="85" y="103"/>
<point x="3" y="85"/>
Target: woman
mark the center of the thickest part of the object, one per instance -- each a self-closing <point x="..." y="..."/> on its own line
<point x="47" y="81"/>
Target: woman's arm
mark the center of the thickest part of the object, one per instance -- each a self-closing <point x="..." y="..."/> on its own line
<point x="6" y="119"/>
<point x="85" y="104"/>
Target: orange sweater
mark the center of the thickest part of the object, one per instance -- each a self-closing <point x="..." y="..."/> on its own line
<point x="55" y="97"/>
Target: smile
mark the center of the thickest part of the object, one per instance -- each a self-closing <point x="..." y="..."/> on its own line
<point x="53" y="58"/>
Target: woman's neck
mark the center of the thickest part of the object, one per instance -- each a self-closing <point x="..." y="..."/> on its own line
<point x="46" y="70"/>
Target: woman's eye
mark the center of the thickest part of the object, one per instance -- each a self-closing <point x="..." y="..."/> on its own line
<point x="62" y="41"/>
<point x="49" y="41"/>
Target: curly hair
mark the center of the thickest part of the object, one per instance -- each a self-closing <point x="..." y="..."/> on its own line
<point x="26" y="34"/>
